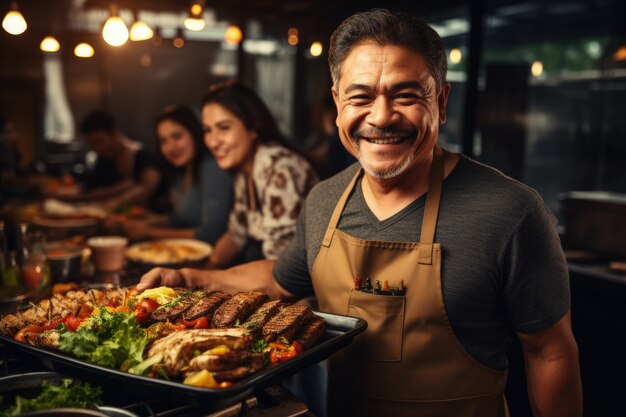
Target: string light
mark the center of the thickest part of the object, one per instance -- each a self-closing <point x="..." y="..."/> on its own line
<point x="13" y="21"/>
<point x="536" y="69"/>
<point x="233" y="35"/>
<point x="316" y="49"/>
<point x="179" y="41"/>
<point x="292" y="36"/>
<point x="456" y="55"/>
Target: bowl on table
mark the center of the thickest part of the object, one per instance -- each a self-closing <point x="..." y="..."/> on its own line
<point x="107" y="252"/>
<point x="65" y="263"/>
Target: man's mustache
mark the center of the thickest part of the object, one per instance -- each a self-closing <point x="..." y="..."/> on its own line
<point x="382" y="133"/>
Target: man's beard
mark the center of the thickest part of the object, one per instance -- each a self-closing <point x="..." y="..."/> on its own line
<point x="388" y="132"/>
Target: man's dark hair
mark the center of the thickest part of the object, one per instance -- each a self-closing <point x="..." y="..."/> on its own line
<point x="97" y="121"/>
<point x="386" y="27"/>
<point x="185" y="117"/>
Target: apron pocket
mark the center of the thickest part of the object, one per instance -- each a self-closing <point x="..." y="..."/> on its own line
<point x="382" y="341"/>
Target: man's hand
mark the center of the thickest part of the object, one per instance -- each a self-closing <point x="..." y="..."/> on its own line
<point x="157" y="277"/>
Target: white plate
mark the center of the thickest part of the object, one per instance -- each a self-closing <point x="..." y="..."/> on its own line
<point x="169" y="251"/>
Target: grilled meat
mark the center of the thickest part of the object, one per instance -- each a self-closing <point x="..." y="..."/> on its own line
<point x="206" y="306"/>
<point x="177" y="307"/>
<point x="258" y="319"/>
<point x="11" y="323"/>
<point x="178" y="348"/>
<point x="255" y="364"/>
<point x="311" y="331"/>
<point x="287" y="322"/>
<point x="48" y="338"/>
<point x="220" y="362"/>
<point x="237" y="309"/>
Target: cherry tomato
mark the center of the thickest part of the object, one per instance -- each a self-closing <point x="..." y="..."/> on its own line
<point x="25" y="333"/>
<point x="145" y="309"/>
<point x="52" y="323"/>
<point x="199" y="323"/>
<point x="85" y="311"/>
<point x="72" y="322"/>
<point x="277" y="356"/>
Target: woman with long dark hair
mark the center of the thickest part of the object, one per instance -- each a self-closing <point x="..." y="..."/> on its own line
<point x="201" y="192"/>
<point x="271" y="179"/>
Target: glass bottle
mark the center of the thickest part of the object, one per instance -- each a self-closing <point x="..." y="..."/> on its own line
<point x="11" y="277"/>
<point x="34" y="267"/>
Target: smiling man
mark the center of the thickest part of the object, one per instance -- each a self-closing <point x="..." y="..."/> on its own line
<point x="462" y="254"/>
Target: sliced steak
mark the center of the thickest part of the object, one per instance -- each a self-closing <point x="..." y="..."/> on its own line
<point x="258" y="319"/>
<point x="179" y="347"/>
<point x="287" y="322"/>
<point x="311" y="331"/>
<point x="220" y="362"/>
<point x="176" y="308"/>
<point x="237" y="309"/>
<point x="206" y="305"/>
<point x="255" y="364"/>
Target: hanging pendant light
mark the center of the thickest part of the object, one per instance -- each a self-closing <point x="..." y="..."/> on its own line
<point x="83" y="50"/>
<point x="140" y="31"/>
<point x="178" y="40"/>
<point x="115" y="32"/>
<point x="49" y="44"/>
<point x="13" y="21"/>
<point x="195" y="22"/>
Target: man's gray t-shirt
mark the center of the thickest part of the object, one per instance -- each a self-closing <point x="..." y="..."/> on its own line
<point x="503" y="268"/>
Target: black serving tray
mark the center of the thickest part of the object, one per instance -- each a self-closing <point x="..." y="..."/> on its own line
<point x="340" y="330"/>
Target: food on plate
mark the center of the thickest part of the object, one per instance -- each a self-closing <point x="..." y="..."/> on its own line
<point x="206" y="306"/>
<point x="68" y="393"/>
<point x="204" y="338"/>
<point x="56" y="209"/>
<point x="172" y="251"/>
<point x="237" y="309"/>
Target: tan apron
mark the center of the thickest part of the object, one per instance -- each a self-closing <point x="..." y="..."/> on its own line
<point x="408" y="362"/>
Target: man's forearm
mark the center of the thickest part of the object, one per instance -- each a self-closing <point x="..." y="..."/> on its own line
<point x="554" y="386"/>
<point x="253" y="276"/>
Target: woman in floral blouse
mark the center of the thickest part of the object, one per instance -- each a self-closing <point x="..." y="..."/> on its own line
<point x="271" y="180"/>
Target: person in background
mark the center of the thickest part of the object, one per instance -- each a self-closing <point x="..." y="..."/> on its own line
<point x="201" y="192"/>
<point x="464" y="254"/>
<point x="271" y="180"/>
<point x="325" y="149"/>
<point x="125" y="172"/>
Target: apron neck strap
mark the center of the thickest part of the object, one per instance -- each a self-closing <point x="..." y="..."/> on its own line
<point x="334" y="220"/>
<point x="431" y="209"/>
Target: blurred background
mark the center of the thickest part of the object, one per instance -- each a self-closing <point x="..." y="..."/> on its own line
<point x="538" y="87"/>
<point x="538" y="91"/>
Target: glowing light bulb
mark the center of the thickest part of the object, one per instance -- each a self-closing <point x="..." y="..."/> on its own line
<point x="83" y="50"/>
<point x="196" y="9"/>
<point x="316" y="48"/>
<point x="115" y="32"/>
<point x="14" y="22"/>
<point x="456" y="55"/>
<point x="536" y="69"/>
<point x="233" y="34"/>
<point x="49" y="44"/>
<point x="194" y="24"/>
<point x="140" y="31"/>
